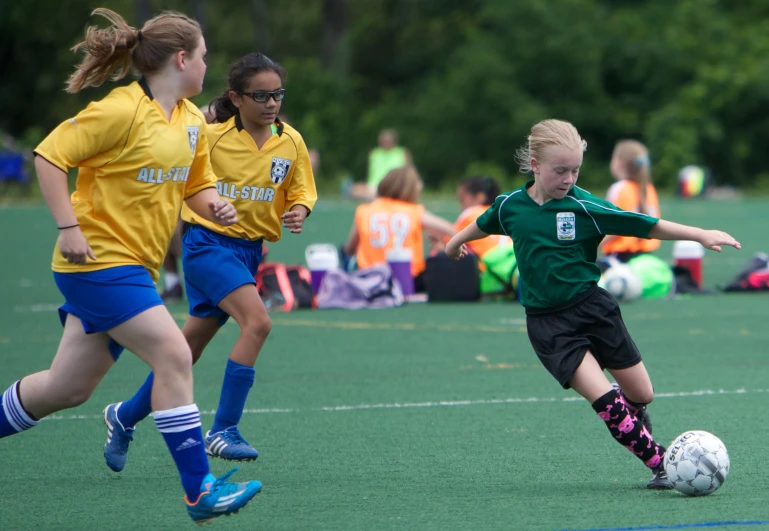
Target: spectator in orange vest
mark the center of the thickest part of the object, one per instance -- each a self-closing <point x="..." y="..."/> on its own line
<point x="476" y="195"/>
<point x="634" y="192"/>
<point x="395" y="219"/>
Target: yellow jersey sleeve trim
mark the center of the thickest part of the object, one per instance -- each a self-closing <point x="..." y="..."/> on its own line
<point x="196" y="192"/>
<point x="42" y="156"/>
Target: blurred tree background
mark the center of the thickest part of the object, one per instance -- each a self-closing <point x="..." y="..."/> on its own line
<point x="461" y="80"/>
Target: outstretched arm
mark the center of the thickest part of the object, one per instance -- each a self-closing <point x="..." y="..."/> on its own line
<point x="456" y="248"/>
<point x="710" y="239"/>
<point x="437" y="226"/>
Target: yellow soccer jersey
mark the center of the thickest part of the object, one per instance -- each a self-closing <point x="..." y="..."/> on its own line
<point x="261" y="183"/>
<point x="135" y="168"/>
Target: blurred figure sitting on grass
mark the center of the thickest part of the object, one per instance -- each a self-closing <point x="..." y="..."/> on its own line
<point x="475" y="195"/>
<point x="394" y="220"/>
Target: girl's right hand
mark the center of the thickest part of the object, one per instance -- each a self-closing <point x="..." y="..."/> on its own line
<point x="74" y="247"/>
<point x="454" y="251"/>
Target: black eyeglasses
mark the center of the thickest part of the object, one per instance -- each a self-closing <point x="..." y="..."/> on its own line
<point x="262" y="96"/>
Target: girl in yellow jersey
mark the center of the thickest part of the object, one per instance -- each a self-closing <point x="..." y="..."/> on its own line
<point x="633" y="192"/>
<point x="140" y="154"/>
<point x="264" y="168"/>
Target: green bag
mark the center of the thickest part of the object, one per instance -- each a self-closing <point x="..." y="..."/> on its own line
<point x="655" y="274"/>
<point x="501" y="275"/>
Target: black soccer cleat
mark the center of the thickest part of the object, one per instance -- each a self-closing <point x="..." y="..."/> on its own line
<point x="659" y="480"/>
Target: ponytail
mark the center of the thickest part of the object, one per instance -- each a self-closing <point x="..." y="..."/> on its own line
<point x="111" y="53"/>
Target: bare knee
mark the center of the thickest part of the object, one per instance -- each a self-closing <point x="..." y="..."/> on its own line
<point x="71" y="394"/>
<point x="641" y="396"/>
<point x="647" y="398"/>
<point x="258" y="327"/>
<point x="173" y="359"/>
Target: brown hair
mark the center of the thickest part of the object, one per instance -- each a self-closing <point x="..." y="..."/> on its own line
<point x="545" y="134"/>
<point x="481" y="185"/>
<point x="401" y="184"/>
<point x="111" y="52"/>
<point x="634" y="158"/>
<point x="240" y="76"/>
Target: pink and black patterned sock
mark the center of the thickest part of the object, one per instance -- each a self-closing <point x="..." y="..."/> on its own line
<point x="627" y="429"/>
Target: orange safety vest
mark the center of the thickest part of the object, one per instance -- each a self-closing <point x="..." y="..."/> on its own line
<point x="385" y="224"/>
<point x="624" y="194"/>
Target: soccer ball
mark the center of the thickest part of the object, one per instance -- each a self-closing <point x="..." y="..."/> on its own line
<point x="622" y="282"/>
<point x="692" y="181"/>
<point x="697" y="463"/>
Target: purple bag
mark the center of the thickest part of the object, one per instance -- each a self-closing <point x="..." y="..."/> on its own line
<point x="369" y="288"/>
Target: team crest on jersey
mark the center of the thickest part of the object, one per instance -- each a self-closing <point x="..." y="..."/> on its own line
<point x="566" y="223"/>
<point x="279" y="169"/>
<point x="192" y="135"/>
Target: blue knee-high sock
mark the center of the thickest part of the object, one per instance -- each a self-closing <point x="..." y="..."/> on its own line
<point x="181" y="430"/>
<point x="13" y="417"/>
<point x="238" y="380"/>
<point x="139" y="406"/>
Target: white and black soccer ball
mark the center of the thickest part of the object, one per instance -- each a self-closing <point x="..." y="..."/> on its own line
<point x="622" y="282"/>
<point x="697" y="463"/>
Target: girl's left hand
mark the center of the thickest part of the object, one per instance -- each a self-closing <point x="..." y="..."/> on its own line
<point x="714" y="239"/>
<point x="224" y="212"/>
<point x="294" y="219"/>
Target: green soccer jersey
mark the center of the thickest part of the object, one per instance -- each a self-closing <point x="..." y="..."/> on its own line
<point x="556" y="244"/>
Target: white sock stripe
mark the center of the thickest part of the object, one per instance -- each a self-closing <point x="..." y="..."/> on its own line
<point x="172" y="428"/>
<point x="177" y="429"/>
<point x="178" y="420"/>
<point x="18" y="411"/>
<point x="175" y="417"/>
<point x="177" y="411"/>
<point x="17" y="417"/>
<point x="9" y="411"/>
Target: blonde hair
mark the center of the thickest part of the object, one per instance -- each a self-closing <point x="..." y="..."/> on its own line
<point x="634" y="159"/>
<point x="543" y="135"/>
<point x="401" y="184"/>
<point x="110" y="53"/>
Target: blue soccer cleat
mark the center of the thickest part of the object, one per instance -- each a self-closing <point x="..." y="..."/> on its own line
<point x="219" y="497"/>
<point x="118" y="437"/>
<point x="229" y="445"/>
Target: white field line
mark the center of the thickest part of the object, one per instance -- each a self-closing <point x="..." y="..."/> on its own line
<point x="448" y="403"/>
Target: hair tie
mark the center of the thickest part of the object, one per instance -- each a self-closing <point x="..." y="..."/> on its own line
<point x="139" y="35"/>
<point x="642" y="161"/>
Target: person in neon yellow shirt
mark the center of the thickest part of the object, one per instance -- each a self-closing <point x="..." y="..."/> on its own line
<point x="388" y="155"/>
